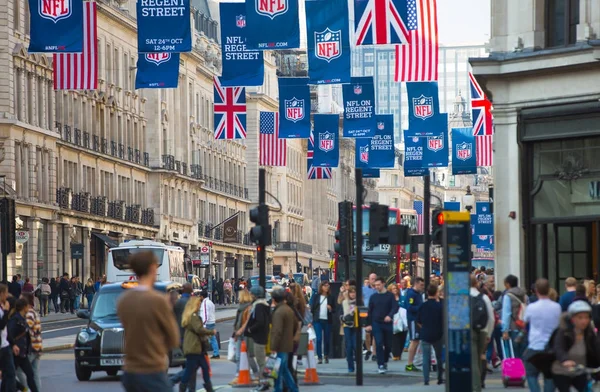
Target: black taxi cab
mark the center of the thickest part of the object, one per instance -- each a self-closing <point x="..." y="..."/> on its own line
<point x="99" y="345"/>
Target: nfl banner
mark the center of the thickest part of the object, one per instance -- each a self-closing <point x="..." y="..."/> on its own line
<point x="359" y="108"/>
<point x="294" y="108"/>
<point x="328" y="42"/>
<point x="413" y="155"/>
<point x="362" y="153"/>
<point x="157" y="70"/>
<point x="56" y="26"/>
<point x="382" y="150"/>
<point x="452" y="205"/>
<point x="371" y="173"/>
<point x="483" y="242"/>
<point x="485" y="219"/>
<point x="463" y="151"/>
<point x="164" y="26"/>
<point x="272" y="24"/>
<point x="423" y="104"/>
<point x="327" y="137"/>
<point x="241" y="66"/>
<point x="435" y="141"/>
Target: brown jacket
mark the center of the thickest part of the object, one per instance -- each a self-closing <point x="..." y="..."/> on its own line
<point x="283" y="329"/>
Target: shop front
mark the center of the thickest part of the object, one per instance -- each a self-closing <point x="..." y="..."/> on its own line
<point x="560" y="177"/>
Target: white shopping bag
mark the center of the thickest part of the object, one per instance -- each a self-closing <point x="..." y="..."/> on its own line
<point x="231" y="347"/>
<point x="311" y="334"/>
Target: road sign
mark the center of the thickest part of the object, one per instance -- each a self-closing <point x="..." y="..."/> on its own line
<point x="22" y="236"/>
<point x="204" y="249"/>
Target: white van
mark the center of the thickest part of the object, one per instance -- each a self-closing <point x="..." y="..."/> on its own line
<point x="171" y="265"/>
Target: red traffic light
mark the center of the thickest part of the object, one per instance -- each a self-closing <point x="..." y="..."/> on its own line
<point x="258" y="248"/>
<point x="440" y="219"/>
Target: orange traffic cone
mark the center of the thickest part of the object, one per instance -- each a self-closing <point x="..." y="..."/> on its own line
<point x="244" y="380"/>
<point x="209" y="367"/>
<point x="310" y="374"/>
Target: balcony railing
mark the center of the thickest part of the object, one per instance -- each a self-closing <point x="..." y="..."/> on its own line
<point x="104" y="146"/>
<point x="67" y="136"/>
<point x="146" y="159"/>
<point x="138" y="156"/>
<point x="121" y="151"/>
<point x="293" y="247"/>
<point x="130" y="154"/>
<point x="78" y="136"/>
<point x="113" y="148"/>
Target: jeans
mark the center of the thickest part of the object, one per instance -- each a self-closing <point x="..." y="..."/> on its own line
<point x="25" y="366"/>
<point x="519" y="342"/>
<point x="76" y="302"/>
<point x="7" y="365"/>
<point x="213" y="339"/>
<point x="533" y="374"/>
<point x="285" y="376"/>
<point x="90" y="298"/>
<point x="322" y="327"/>
<point x="383" y="332"/>
<point x="155" y="382"/>
<point x="426" y="347"/>
<point x="350" y="339"/>
<point x="192" y="363"/>
<point x="65" y="304"/>
<point x="34" y="360"/>
<point x="54" y="300"/>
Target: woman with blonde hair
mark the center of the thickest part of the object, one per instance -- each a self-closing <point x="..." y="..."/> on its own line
<point x="590" y="291"/>
<point x="195" y="347"/>
<point x="241" y="317"/>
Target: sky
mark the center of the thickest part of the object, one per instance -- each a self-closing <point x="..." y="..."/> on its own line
<point x="463" y="21"/>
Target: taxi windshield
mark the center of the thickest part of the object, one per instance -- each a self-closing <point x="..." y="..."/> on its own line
<point x="105" y="305"/>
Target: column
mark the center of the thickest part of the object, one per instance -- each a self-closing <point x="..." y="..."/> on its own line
<point x="51" y="104"/>
<point x="30" y="268"/>
<point x="32" y="98"/>
<point x="32" y="173"/>
<point x="22" y="106"/>
<point x="52" y="174"/>
<point x="65" y="263"/>
<point x="52" y="250"/>
<point x="87" y="243"/>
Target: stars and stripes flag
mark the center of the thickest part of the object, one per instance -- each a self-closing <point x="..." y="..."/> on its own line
<point x="381" y="22"/>
<point x="229" y="111"/>
<point x="273" y="150"/>
<point x="418" y="206"/>
<point x="483" y="126"/>
<point x="79" y="71"/>
<point x="418" y="61"/>
<point x="315" y="173"/>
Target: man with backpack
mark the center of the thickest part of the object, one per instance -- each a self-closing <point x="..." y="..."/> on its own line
<point x="482" y="326"/>
<point x="514" y="302"/>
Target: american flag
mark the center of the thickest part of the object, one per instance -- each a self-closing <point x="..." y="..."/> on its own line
<point x="229" y="111"/>
<point x="79" y="71"/>
<point x="381" y="22"/>
<point x="418" y="206"/>
<point x="273" y="150"/>
<point x="483" y="127"/>
<point x="418" y="61"/>
<point x="315" y="173"/>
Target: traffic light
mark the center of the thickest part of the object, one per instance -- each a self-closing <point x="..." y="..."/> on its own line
<point x="298" y="267"/>
<point x="379" y="230"/>
<point x="261" y="233"/>
<point x="344" y="235"/>
<point x="437" y="226"/>
<point x="8" y="226"/>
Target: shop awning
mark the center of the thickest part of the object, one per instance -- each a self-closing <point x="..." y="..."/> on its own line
<point x="109" y="242"/>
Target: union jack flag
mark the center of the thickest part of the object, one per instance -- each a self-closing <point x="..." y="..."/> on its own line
<point x="315" y="173"/>
<point x="381" y="22"/>
<point x="483" y="127"/>
<point x="229" y="111"/>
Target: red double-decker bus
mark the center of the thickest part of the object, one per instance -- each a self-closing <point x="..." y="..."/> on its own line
<point x="384" y="260"/>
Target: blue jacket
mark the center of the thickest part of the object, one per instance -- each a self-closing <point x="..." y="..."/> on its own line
<point x="566" y="299"/>
<point x="414" y="299"/>
<point x="431" y="318"/>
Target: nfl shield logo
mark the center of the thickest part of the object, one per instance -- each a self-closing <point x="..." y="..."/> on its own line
<point x="484" y="209"/>
<point x="328" y="44"/>
<point x="326" y="141"/>
<point x="423" y="107"/>
<point x="463" y="151"/>
<point x="381" y="126"/>
<point x="240" y="21"/>
<point x="158" y="58"/>
<point x="364" y="154"/>
<point x="358" y="89"/>
<point x="271" y="8"/>
<point x="54" y="10"/>
<point x="415" y="139"/>
<point x="294" y="109"/>
<point x="435" y="143"/>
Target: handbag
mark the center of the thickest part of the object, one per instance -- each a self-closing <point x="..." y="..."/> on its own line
<point x="303" y="344"/>
<point x="271" y="369"/>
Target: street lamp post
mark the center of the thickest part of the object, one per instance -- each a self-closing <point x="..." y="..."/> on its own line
<point x="468" y="200"/>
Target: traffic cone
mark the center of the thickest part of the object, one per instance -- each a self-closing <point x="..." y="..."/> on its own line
<point x="209" y="366"/>
<point x="244" y="380"/>
<point x="310" y="374"/>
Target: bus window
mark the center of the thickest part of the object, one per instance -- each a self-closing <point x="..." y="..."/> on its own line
<point x="121" y="256"/>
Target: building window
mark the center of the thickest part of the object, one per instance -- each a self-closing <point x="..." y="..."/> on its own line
<point x="562" y="17"/>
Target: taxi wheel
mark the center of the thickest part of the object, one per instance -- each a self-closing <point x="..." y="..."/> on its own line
<point x="82" y="373"/>
<point x="112" y="372"/>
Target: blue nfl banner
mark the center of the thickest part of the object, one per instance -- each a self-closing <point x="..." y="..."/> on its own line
<point x="328" y="42"/>
<point x="452" y="205"/>
<point x="164" y="26"/>
<point x="382" y="144"/>
<point x="56" y="26"/>
<point x="294" y="108"/>
<point x="485" y="219"/>
<point x="371" y="173"/>
<point x="273" y="24"/>
<point x="434" y="137"/>
<point x="362" y="153"/>
<point x="327" y="138"/>
<point x="241" y="65"/>
<point x="423" y="104"/>
<point x="359" y="108"/>
<point x="464" y="160"/>
<point x="157" y="70"/>
<point x="413" y="155"/>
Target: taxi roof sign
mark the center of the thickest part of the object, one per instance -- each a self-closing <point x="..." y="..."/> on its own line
<point x="129" y="285"/>
<point x="455" y="216"/>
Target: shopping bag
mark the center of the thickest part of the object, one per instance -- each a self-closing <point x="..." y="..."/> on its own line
<point x="231" y="347"/>
<point x="272" y="366"/>
<point x="400" y="321"/>
<point x="311" y="334"/>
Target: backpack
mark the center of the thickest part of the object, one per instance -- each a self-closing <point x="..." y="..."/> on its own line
<point x="519" y="317"/>
<point x="479" y="314"/>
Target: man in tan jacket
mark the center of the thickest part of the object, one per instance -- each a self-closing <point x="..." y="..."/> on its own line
<point x="283" y="329"/>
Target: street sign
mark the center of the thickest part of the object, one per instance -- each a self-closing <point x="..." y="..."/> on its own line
<point x="205" y="250"/>
<point x="248" y="265"/>
<point x="22" y="236"/>
<point x="457" y="259"/>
